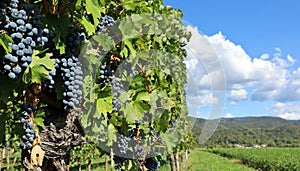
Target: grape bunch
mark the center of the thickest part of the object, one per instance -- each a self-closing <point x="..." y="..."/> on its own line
<point x="28" y="136"/>
<point x="48" y="84"/>
<point x="104" y="22"/>
<point x="23" y="24"/>
<point x="105" y="75"/>
<point x="116" y="88"/>
<point x="138" y="151"/>
<point x="72" y="76"/>
<point x="70" y="70"/>
<point x="151" y="164"/>
<point x="122" y="143"/>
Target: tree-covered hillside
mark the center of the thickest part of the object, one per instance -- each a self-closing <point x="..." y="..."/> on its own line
<point x="249" y="131"/>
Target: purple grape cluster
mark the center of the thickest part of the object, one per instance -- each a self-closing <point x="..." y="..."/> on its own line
<point x="70" y="69"/>
<point x="116" y="88"/>
<point x="48" y="84"/>
<point x="105" y="75"/>
<point x="23" y="24"/>
<point x="138" y="151"/>
<point x="28" y="137"/>
<point x="122" y="143"/>
<point x="104" y="22"/>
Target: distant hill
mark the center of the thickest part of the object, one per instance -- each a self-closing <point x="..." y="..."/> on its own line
<point x="256" y="122"/>
<point x="272" y="131"/>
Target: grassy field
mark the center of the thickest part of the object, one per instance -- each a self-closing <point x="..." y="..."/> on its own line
<point x="200" y="160"/>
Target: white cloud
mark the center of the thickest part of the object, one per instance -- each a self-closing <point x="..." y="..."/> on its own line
<point x="264" y="56"/>
<point x="229" y="115"/>
<point x="271" y="77"/>
<point x="238" y="95"/>
<point x="287" y="111"/>
<point x="291" y="59"/>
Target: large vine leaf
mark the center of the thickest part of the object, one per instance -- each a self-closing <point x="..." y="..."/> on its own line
<point x="104" y="105"/>
<point x="134" y="111"/>
<point x="95" y="9"/>
<point x="105" y="41"/>
<point x="38" y="68"/>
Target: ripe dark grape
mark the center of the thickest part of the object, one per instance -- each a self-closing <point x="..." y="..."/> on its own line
<point x="7" y="67"/>
<point x="12" y="75"/>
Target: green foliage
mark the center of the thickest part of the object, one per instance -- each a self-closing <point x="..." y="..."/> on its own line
<point x="10" y="128"/>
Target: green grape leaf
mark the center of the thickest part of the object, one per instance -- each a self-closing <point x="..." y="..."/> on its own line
<point x="88" y="89"/>
<point x="84" y="121"/>
<point x="97" y="127"/>
<point x="154" y="97"/>
<point x="143" y="96"/>
<point x="105" y="41"/>
<point x="130" y="46"/>
<point x="124" y="52"/>
<point x="104" y="102"/>
<point x="38" y="68"/>
<point x="39" y="121"/>
<point x="5" y="39"/>
<point x="104" y="105"/>
<point x="116" y="120"/>
<point x="163" y="122"/>
<point x="59" y="45"/>
<point x="111" y="133"/>
<point x="169" y="138"/>
<point x="124" y="96"/>
<point x="127" y="28"/>
<point x="93" y="7"/>
<point x="89" y="27"/>
<point x="134" y="111"/>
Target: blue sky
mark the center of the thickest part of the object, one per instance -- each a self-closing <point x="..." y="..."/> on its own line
<point x="258" y="25"/>
<point x="258" y="45"/>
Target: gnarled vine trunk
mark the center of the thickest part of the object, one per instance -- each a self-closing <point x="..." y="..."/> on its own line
<point x="61" y="133"/>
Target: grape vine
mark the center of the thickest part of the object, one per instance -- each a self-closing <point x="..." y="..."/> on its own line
<point x="113" y="68"/>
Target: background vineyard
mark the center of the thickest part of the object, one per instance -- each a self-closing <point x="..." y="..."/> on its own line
<point x="264" y="158"/>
